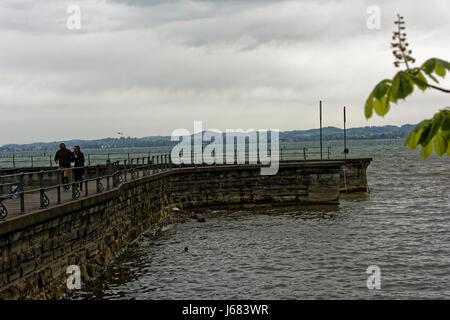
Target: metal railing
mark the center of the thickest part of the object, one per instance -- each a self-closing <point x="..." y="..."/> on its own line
<point x="28" y="191"/>
<point x="46" y="159"/>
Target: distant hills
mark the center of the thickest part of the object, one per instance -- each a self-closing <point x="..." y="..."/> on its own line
<point x="329" y="133"/>
<point x="333" y="133"/>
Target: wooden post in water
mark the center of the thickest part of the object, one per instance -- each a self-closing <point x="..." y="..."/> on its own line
<point x="345" y="134"/>
<point x="320" y="113"/>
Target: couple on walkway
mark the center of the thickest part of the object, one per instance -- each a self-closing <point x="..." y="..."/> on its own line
<point x="64" y="158"/>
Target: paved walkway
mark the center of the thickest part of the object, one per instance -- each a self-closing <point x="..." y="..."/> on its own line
<point x="32" y="199"/>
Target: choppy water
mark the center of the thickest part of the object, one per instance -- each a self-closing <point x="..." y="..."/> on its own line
<point x="403" y="226"/>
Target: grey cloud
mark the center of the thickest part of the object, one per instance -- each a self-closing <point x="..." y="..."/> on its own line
<point x="151" y="66"/>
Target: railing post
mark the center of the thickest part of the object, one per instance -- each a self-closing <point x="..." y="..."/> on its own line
<point x="304" y="153"/>
<point x="51" y="161"/>
<point x="32" y="161"/>
<point x="131" y="169"/>
<point x="41" y="190"/>
<point x="58" y="193"/>
<point x="97" y="175"/>
<point x="125" y="170"/>
<point x="22" y="194"/>
<point x="89" y="159"/>
<point x="14" y="160"/>
<point x="41" y="178"/>
<point x="152" y="167"/>
<point x="137" y="168"/>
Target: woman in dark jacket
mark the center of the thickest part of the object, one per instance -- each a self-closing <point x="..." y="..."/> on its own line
<point x="78" y="160"/>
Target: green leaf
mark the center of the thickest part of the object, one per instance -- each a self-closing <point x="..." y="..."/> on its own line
<point x="377" y="105"/>
<point x="433" y="78"/>
<point x="414" y="137"/>
<point x="381" y="106"/>
<point x="402" y="86"/>
<point x="441" y="140"/>
<point x="378" y="99"/>
<point x="428" y="66"/>
<point x="431" y="130"/>
<point x="368" y="107"/>
<point x="445" y="125"/>
<point x="381" y="89"/>
<point x="427" y="151"/>
<point x="431" y="133"/>
<point x="425" y="134"/>
<point x="411" y="140"/>
<point x="437" y="66"/>
<point x="440" y="70"/>
<point x="445" y="64"/>
<point x="420" y="81"/>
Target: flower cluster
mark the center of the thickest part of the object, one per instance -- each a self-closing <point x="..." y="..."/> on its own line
<point x="400" y="45"/>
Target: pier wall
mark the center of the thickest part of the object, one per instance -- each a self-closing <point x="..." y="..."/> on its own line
<point x="36" y="248"/>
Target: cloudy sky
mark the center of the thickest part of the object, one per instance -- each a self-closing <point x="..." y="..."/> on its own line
<point x="147" y="67"/>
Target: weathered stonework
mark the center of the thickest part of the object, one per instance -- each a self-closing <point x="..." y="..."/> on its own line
<point x="36" y="248"/>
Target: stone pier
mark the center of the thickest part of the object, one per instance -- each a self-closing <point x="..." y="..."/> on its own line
<point x="36" y="248"/>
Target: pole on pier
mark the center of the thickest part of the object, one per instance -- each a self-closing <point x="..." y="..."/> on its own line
<point x="320" y="112"/>
<point x="345" y="134"/>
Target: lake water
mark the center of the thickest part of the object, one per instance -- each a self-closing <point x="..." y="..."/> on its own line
<point x="402" y="226"/>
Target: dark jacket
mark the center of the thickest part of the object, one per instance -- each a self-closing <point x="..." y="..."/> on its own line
<point x="63" y="157"/>
<point x="78" y="159"/>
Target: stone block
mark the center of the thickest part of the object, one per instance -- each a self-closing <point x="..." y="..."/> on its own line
<point x="27" y="267"/>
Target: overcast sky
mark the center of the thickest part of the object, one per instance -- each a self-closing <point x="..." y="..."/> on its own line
<point x="147" y="67"/>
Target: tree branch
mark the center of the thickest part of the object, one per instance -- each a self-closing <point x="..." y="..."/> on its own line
<point x="439" y="88"/>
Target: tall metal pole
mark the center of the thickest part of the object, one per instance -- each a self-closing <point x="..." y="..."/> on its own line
<point x="345" y="134"/>
<point x="320" y="111"/>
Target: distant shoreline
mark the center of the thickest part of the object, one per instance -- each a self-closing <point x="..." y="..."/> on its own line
<point x="328" y="133"/>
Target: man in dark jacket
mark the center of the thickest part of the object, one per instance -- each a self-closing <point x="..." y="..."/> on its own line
<point x="63" y="158"/>
<point x="78" y="160"/>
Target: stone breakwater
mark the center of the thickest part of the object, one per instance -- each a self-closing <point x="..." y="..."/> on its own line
<point x="37" y="248"/>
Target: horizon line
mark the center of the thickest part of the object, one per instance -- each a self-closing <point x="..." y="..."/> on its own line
<point x="165" y="136"/>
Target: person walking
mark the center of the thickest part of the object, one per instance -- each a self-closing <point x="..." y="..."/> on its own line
<point x="63" y="158"/>
<point x="78" y="160"/>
